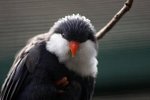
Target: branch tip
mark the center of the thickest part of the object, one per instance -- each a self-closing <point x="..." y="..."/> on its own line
<point x="126" y="7"/>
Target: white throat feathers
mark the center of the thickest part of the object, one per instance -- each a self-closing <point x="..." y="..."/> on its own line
<point x="84" y="63"/>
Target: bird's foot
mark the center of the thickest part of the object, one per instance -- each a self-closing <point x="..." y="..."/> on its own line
<point x="63" y="82"/>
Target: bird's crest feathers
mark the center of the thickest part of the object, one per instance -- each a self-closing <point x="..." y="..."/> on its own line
<point x="76" y="17"/>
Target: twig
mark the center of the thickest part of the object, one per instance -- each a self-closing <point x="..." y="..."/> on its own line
<point x="126" y="7"/>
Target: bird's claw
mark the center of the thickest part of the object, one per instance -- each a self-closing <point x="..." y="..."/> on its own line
<point x="63" y="82"/>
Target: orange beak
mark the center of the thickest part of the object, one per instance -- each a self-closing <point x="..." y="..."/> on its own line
<point x="73" y="45"/>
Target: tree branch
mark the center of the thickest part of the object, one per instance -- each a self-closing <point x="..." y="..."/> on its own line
<point x="126" y="7"/>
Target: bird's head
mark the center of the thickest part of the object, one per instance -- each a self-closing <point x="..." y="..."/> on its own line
<point x="72" y="40"/>
<point x="68" y="35"/>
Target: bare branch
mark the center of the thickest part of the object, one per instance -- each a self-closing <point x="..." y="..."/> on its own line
<point x="126" y="7"/>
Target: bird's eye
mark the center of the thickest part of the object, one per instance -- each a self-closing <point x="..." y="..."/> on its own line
<point x="63" y="34"/>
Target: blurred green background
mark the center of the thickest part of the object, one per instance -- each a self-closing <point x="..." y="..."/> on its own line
<point x="124" y="53"/>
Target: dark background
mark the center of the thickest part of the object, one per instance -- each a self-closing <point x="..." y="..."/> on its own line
<point x="124" y="53"/>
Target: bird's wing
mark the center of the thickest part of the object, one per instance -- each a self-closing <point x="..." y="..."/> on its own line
<point x="24" y="64"/>
<point x="14" y="79"/>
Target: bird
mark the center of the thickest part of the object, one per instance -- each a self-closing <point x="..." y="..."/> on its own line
<point x="60" y="64"/>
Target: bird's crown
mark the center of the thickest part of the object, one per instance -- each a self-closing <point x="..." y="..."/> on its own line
<point x="73" y="22"/>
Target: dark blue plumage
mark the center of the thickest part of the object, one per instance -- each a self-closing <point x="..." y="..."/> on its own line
<point x="73" y="28"/>
<point x="40" y="83"/>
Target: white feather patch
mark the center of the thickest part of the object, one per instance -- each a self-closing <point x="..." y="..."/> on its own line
<point x="84" y="63"/>
<point x="59" y="46"/>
